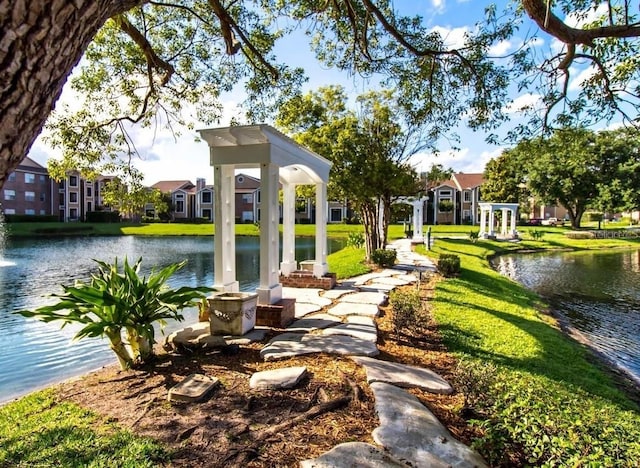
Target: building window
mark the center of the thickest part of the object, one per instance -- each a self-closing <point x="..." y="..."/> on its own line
<point x="247" y="198"/>
<point x="89" y="206"/>
<point x="43" y="196"/>
<point x="61" y="185"/>
<point x="61" y="199"/>
<point x="240" y="179"/>
<point x="9" y="211"/>
<point x="12" y="177"/>
<point x="73" y="197"/>
<point x="30" y="212"/>
<point x="89" y="191"/>
<point x="336" y="215"/>
<point x="29" y="178"/>
<point x="73" y="213"/>
<point x="467" y="196"/>
<point x="206" y="197"/>
<point x="43" y="179"/>
<point x="9" y="194"/>
<point x="30" y="196"/>
<point x="444" y="194"/>
<point x="43" y="212"/>
<point x="73" y="181"/>
<point x="206" y="214"/>
<point x="179" y="206"/>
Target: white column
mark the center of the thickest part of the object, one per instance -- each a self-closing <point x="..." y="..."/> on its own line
<point x="320" y="267"/>
<point x="417" y="220"/>
<point x="513" y="222"/>
<point x="270" y="290"/>
<point x="483" y="222"/>
<point x="289" y="264"/>
<point x="492" y="221"/>
<point x="503" y="229"/>
<point x="224" y="268"/>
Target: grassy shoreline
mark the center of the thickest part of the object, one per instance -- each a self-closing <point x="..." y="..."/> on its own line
<point x="548" y="402"/>
<point x="541" y="397"/>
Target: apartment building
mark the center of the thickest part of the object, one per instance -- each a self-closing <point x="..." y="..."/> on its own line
<point x="28" y="191"/>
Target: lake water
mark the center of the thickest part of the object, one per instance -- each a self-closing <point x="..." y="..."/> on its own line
<point x="598" y="293"/>
<point x="34" y="354"/>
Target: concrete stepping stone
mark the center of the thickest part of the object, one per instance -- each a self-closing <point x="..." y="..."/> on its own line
<point x="410" y="432"/>
<point x="352" y="308"/>
<point x="356" y="330"/>
<point x="378" y="287"/>
<point x="365" y="298"/>
<point x="313" y="322"/>
<point x="361" y="319"/>
<point x="253" y="335"/>
<point x="287" y="377"/>
<point x="287" y="345"/>
<point x="343" y="345"/>
<point x="402" y="375"/>
<point x="309" y="296"/>
<point x="353" y="454"/>
<point x="296" y="344"/>
<point x="193" y="388"/>
<point x="393" y="280"/>
<point x="334" y="293"/>
<point x="304" y="308"/>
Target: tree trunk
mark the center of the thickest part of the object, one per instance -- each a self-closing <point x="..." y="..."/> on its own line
<point x="369" y="214"/>
<point x="40" y="44"/>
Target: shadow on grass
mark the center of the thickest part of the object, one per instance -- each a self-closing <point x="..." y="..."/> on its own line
<point x="559" y="358"/>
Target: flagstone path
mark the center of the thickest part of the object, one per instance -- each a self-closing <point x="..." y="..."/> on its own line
<point x="341" y="321"/>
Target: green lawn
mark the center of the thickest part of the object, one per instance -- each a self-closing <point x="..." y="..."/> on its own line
<point x="38" y="430"/>
<point x="547" y="398"/>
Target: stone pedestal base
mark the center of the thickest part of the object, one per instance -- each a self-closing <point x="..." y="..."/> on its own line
<point x="305" y="279"/>
<point x="277" y="315"/>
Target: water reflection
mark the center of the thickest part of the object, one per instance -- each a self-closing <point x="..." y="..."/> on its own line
<point x="34" y="354"/>
<point x="596" y="292"/>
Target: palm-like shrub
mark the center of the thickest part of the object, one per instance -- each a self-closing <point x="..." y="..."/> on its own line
<point x="115" y="301"/>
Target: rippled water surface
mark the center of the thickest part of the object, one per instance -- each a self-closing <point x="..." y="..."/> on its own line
<point x="599" y="293"/>
<point x="34" y="354"/>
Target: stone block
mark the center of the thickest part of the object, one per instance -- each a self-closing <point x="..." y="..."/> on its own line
<point x="193" y="388"/>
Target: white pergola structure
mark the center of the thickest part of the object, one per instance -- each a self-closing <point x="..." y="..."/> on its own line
<point x="418" y="215"/>
<point x="281" y="160"/>
<point x="487" y="219"/>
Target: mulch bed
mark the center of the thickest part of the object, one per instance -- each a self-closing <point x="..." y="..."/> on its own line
<point x="239" y="426"/>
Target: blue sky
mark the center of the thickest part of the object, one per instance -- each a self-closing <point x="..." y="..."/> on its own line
<point x="166" y="158"/>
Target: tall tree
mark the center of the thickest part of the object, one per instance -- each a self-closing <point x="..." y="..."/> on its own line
<point x="505" y="180"/>
<point x="151" y="59"/>
<point x="369" y="151"/>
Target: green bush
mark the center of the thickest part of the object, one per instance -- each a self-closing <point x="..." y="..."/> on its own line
<point x="119" y="301"/>
<point x="30" y="218"/>
<point x="536" y="234"/>
<point x="383" y="257"/>
<point x="473" y="236"/>
<point x="103" y="217"/>
<point x="406" y="306"/>
<point x="355" y="240"/>
<point x="474" y="379"/>
<point x="449" y="265"/>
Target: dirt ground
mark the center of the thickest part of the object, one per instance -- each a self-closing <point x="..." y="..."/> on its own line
<point x="237" y="426"/>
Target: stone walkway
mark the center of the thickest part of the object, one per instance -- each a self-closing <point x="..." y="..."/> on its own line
<point x="341" y="321"/>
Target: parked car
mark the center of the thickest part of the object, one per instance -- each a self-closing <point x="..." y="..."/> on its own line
<point x="552" y="222"/>
<point x="535" y="221"/>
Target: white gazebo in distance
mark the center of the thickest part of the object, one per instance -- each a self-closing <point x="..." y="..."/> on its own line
<point x="487" y="220"/>
<point x="281" y="160"/>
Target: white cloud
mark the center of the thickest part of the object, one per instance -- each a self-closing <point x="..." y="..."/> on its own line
<point x="584" y="17"/>
<point x="438" y="5"/>
<point x="452" y="37"/>
<point x="463" y="160"/>
<point x="522" y="102"/>
<point x="500" y="49"/>
<point x="581" y="77"/>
